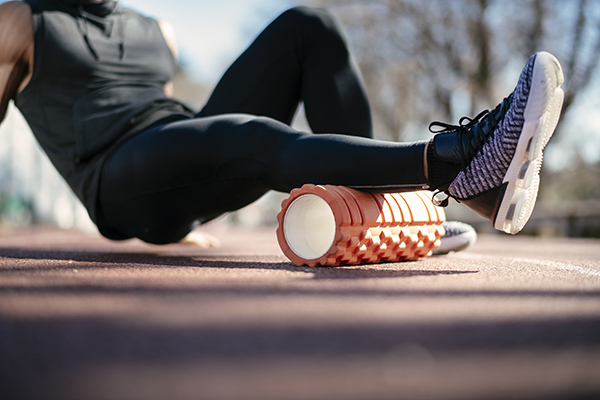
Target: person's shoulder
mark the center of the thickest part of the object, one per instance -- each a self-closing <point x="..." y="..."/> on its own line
<point x="16" y="32"/>
<point x="14" y="12"/>
<point x="131" y="12"/>
<point x="135" y="15"/>
<point x="15" y="7"/>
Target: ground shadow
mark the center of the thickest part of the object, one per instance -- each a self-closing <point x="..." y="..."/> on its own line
<point x="95" y="260"/>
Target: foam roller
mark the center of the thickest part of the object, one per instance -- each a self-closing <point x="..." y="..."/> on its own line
<point x="332" y="225"/>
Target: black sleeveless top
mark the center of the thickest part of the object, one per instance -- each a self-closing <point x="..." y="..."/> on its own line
<point x="98" y="76"/>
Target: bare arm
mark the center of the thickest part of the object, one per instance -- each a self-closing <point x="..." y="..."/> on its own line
<point x="16" y="50"/>
<point x="169" y="35"/>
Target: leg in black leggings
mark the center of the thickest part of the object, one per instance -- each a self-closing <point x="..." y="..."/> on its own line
<point x="301" y="56"/>
<point x="156" y="185"/>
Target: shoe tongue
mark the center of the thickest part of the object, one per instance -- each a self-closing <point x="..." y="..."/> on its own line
<point x="447" y="148"/>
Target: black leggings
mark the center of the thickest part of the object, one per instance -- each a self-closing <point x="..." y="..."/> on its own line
<point x="160" y="183"/>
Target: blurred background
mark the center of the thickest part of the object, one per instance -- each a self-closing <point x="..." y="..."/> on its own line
<point x="422" y="60"/>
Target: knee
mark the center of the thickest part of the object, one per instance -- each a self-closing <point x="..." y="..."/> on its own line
<point x="313" y="18"/>
<point x="266" y="132"/>
<point x="319" y="15"/>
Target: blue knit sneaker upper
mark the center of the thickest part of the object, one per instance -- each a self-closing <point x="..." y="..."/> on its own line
<point x="488" y="167"/>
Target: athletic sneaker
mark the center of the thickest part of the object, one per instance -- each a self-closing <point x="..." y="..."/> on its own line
<point x="499" y="153"/>
<point x="458" y="237"/>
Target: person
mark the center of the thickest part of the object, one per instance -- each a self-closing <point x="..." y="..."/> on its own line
<point x="92" y="79"/>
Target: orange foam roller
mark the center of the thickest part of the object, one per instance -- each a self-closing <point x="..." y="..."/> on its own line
<point x="333" y="225"/>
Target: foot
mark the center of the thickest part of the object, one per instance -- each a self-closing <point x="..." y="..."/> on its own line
<point x="201" y="240"/>
<point x="499" y="153"/>
<point x="458" y="237"/>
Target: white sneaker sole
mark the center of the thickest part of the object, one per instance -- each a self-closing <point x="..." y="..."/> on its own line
<point x="541" y="117"/>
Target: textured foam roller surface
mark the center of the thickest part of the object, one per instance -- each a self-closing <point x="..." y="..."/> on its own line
<point x="332" y="225"/>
